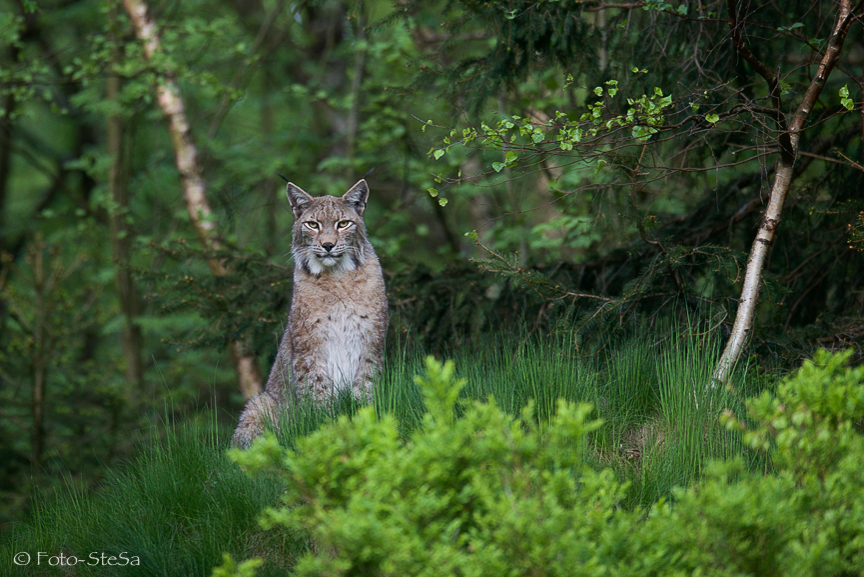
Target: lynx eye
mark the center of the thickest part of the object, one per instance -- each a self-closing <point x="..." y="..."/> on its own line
<point x="312" y="224"/>
<point x="343" y="224"/>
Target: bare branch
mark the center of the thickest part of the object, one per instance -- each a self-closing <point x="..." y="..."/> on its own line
<point x="769" y="76"/>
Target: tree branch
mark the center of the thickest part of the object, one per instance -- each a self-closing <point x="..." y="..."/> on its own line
<point x="241" y="70"/>
<point x="772" y="79"/>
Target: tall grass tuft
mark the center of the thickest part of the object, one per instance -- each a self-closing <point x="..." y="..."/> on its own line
<point x="680" y="429"/>
<point x="175" y="509"/>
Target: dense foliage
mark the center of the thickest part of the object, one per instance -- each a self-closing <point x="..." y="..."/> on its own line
<point x="485" y="493"/>
<point x="608" y="162"/>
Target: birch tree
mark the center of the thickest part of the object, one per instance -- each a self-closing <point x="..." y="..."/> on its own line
<point x="683" y="103"/>
<point x="192" y="182"/>
<point x="788" y="144"/>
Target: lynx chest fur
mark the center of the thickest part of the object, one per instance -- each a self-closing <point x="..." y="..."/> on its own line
<point x="334" y="338"/>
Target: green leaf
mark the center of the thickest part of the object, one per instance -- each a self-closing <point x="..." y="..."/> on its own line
<point x="497" y="166"/>
<point x="230" y="568"/>
<point x="442" y="201"/>
<point x="643" y="133"/>
<point x="510" y="158"/>
<point x="598" y="91"/>
<point x="793" y="27"/>
<point x="712" y="118"/>
<point x="847" y="102"/>
<point x="438" y="153"/>
<point x="433" y="192"/>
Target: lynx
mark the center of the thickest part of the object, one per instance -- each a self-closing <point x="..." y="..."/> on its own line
<point x="338" y="318"/>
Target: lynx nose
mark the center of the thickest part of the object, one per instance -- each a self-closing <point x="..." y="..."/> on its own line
<point x="328" y="246"/>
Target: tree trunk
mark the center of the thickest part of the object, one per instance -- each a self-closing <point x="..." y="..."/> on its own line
<point x="186" y="155"/>
<point x="5" y="165"/>
<point x="8" y="104"/>
<point x="130" y="303"/>
<point x="5" y="162"/>
<point x="39" y="360"/>
<point x="780" y="186"/>
<point x="353" y="121"/>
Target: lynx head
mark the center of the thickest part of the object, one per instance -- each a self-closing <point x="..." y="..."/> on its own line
<point x="329" y="233"/>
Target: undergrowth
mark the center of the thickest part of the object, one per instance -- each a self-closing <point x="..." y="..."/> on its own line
<point x="181" y="503"/>
<point x="480" y="492"/>
<point x="174" y="510"/>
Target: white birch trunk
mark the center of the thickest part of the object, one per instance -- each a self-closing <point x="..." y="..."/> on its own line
<point x="194" y="192"/>
<point x="779" y="188"/>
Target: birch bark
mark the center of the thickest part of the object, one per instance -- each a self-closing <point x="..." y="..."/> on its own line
<point x="194" y="191"/>
<point x="788" y="140"/>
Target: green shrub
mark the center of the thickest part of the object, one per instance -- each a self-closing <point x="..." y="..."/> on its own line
<point x="475" y="491"/>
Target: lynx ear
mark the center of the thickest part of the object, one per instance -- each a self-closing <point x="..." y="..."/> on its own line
<point x="356" y="197"/>
<point x="299" y="199"/>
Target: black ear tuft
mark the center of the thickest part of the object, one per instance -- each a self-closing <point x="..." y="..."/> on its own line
<point x="282" y="176"/>
<point x="299" y="199"/>
<point x="357" y="196"/>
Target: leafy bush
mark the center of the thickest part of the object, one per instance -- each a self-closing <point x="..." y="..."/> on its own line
<point x="483" y="493"/>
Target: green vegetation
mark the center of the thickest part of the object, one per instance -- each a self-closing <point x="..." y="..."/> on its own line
<point x="174" y="510"/>
<point x="181" y="503"/>
<point x="487" y="493"/>
<point x="548" y="180"/>
<point x="446" y="476"/>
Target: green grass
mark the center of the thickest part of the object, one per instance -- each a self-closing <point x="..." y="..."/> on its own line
<point x="180" y="504"/>
<point x="652" y="391"/>
<point x="176" y="508"/>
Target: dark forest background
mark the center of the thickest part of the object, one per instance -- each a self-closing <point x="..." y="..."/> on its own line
<point x="537" y="167"/>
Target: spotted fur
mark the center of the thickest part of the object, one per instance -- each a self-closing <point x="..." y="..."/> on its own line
<point x="334" y="338"/>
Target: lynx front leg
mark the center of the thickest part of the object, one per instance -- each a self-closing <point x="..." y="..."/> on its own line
<point x="260" y="412"/>
<point x="313" y="378"/>
<point x="364" y="379"/>
<point x="363" y="390"/>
